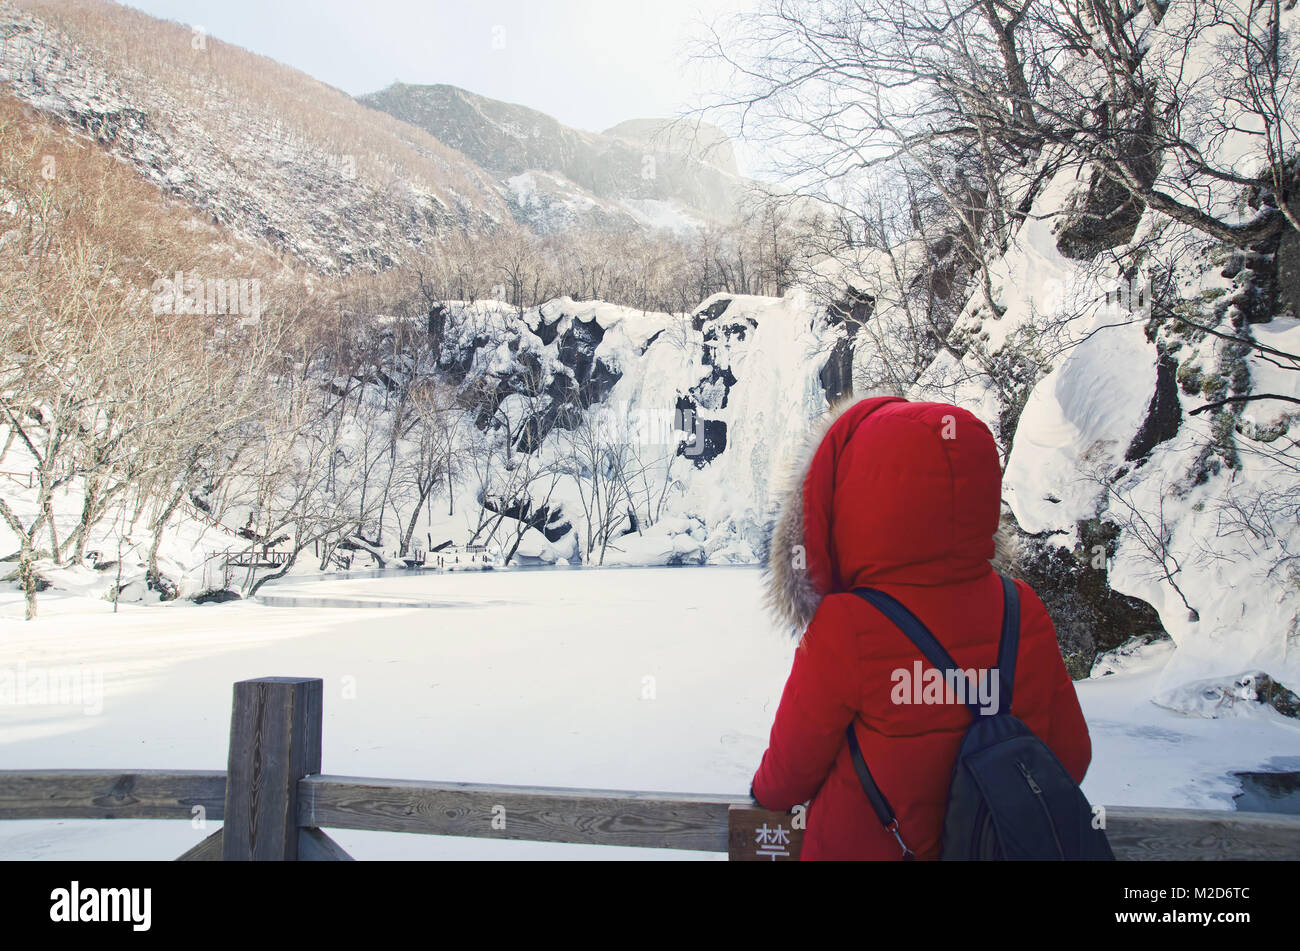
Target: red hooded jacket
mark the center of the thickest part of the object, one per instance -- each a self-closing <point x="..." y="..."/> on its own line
<point x="906" y="498"/>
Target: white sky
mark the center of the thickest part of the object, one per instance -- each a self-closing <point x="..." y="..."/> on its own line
<point x="589" y="63"/>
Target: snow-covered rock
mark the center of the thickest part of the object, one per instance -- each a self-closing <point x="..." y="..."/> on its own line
<point x="1077" y="426"/>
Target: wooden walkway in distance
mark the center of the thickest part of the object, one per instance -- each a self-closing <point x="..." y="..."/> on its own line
<point x="274" y="803"/>
<point x="246" y="558"/>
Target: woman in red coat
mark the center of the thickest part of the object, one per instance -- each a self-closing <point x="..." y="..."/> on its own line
<point x="906" y="498"/>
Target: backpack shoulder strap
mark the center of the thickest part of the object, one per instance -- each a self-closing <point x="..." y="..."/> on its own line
<point x="1009" y="644"/>
<point x="938" y="656"/>
<point x="916" y="632"/>
<point x="884" y="811"/>
<point x="928" y="644"/>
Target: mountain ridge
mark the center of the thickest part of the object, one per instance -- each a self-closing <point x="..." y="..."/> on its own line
<point x="351" y="187"/>
<point x="637" y="160"/>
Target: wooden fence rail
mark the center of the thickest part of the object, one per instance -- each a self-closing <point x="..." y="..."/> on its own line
<point x="253" y="558"/>
<point x="112" y="794"/>
<point x="273" y="802"/>
<point x="540" y="814"/>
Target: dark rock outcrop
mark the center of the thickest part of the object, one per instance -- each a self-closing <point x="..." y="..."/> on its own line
<point x="711" y="312"/>
<point x="560" y="389"/>
<point x="850" y="312"/>
<point x="219" y="596"/>
<point x="708" y="437"/>
<point x="437" y="326"/>
<point x="720" y="332"/>
<point x="1288" y="272"/>
<point x="837" y="375"/>
<point x="1105" y="214"/>
<point x="590" y="378"/>
<point x="1089" y="617"/>
<point x="547" y="519"/>
<point x="1164" y="413"/>
<point x="1284" y="701"/>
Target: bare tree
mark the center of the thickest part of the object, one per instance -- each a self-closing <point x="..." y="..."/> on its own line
<point x="432" y="441"/>
<point x="595" y="454"/>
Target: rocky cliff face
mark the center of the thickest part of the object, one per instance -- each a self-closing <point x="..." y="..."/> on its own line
<point x="715" y="402"/>
<point x="342" y="185"/>
<point x="265" y="150"/>
<point x="625" y="171"/>
<point x="1144" y="503"/>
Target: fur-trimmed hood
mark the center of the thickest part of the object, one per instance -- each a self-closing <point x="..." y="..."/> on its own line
<point x="886" y="492"/>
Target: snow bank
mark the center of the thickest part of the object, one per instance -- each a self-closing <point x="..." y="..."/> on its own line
<point x="1076" y="426"/>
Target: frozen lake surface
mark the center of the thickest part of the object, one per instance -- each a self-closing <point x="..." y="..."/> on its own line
<point x="648" y="679"/>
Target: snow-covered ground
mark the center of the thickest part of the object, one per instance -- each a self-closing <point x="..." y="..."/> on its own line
<point x="650" y="679"/>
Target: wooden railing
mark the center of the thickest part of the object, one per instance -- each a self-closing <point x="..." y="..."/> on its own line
<point x="274" y="802"/>
<point x="207" y="518"/>
<point x="253" y="558"/>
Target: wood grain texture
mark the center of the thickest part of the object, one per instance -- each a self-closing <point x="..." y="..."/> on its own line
<point x="276" y="745"/>
<point x="705" y="823"/>
<point x="579" y="816"/>
<point x="315" y="846"/>
<point x="209" y="850"/>
<point x="723" y="823"/>
<point x="275" y="740"/>
<point x="1148" y="834"/>
<point x="760" y="835"/>
<point x="111" y="794"/>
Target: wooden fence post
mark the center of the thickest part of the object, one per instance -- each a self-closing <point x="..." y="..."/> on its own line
<point x="755" y="834"/>
<point x="275" y="740"/>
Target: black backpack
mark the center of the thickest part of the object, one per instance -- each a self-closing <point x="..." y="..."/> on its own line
<point x="1010" y="796"/>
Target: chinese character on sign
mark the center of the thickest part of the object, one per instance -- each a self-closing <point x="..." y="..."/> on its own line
<point x="772" y="843"/>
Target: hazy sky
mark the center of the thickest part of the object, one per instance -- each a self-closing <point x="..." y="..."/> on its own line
<point x="589" y="63"/>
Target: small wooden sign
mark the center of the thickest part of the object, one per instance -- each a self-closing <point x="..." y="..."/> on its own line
<point x="760" y="835"/>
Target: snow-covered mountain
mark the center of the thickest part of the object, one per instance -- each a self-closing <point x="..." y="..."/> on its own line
<point x="263" y="149"/>
<point x="337" y="184"/>
<point x="641" y="172"/>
